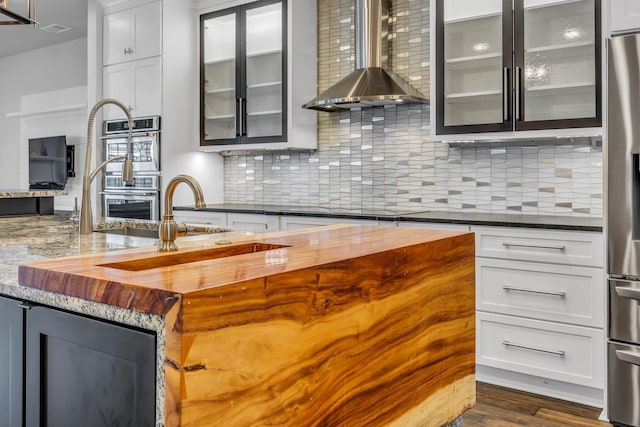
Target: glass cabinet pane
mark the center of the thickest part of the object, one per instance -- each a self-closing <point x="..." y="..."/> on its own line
<point x="264" y="74"/>
<point x="219" y="52"/>
<point x="473" y="62"/>
<point x="559" y="76"/>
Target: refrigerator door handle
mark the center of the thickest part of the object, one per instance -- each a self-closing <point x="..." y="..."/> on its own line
<point x="626" y="292"/>
<point x="628" y="356"/>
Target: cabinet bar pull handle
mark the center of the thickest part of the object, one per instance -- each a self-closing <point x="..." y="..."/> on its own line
<point x="534" y="291"/>
<point x="517" y="79"/>
<point x="26" y="305"/>
<point x="522" y="245"/>
<point x="244" y="120"/>
<point x="505" y="94"/>
<point x="628" y="356"/>
<point x="538" y="349"/>
<point x="239" y="116"/>
<point x="628" y="292"/>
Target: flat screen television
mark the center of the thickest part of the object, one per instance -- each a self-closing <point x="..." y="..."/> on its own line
<point x="48" y="163"/>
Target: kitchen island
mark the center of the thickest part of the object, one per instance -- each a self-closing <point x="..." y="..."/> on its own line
<point x="28" y="202"/>
<point x="339" y="325"/>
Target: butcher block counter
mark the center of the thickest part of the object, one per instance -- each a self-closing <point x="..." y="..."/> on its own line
<point x="343" y="325"/>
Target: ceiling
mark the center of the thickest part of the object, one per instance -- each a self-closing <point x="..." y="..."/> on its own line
<point x="22" y="38"/>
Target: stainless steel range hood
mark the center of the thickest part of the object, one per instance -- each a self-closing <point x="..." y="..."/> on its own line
<point x="370" y="84"/>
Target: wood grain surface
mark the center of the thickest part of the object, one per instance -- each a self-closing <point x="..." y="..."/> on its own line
<point x="336" y="326"/>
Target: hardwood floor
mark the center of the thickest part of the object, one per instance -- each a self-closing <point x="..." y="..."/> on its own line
<point x="502" y="407"/>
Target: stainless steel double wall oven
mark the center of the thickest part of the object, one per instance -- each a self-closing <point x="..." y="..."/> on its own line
<point x="623" y="229"/>
<point x="140" y="199"/>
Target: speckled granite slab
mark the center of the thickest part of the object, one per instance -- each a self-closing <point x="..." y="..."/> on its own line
<point x="10" y="194"/>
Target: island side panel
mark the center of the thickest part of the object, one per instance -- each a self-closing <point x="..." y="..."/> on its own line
<point x="380" y="339"/>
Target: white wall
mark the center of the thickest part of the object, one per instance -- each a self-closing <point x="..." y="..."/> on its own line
<point x="42" y="70"/>
<point x="180" y="108"/>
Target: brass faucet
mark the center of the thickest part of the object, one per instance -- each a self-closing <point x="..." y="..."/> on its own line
<point x="86" y="216"/>
<point x="169" y="229"/>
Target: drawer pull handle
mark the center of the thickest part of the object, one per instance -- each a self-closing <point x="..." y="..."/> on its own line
<point x="534" y="291"/>
<point x="538" y="349"/>
<point x="628" y="292"/>
<point x="522" y="245"/>
<point x="628" y="356"/>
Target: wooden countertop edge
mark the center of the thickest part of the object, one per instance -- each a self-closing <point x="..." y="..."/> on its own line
<point x="156" y="290"/>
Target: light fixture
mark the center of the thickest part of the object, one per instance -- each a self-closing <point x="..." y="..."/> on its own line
<point x="16" y="18"/>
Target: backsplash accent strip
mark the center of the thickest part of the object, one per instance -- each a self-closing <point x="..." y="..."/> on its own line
<point x="383" y="157"/>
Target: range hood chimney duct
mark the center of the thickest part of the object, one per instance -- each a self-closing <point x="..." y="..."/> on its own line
<point x="370" y="84"/>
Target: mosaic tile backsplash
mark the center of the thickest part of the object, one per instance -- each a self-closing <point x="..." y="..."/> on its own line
<point x="383" y="157"/>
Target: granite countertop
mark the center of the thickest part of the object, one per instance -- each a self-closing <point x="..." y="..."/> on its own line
<point x="469" y="218"/>
<point x="35" y="238"/>
<point x="12" y="194"/>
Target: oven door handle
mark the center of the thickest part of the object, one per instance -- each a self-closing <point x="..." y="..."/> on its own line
<point x="118" y="193"/>
<point x="124" y="135"/>
<point x="628" y="356"/>
<point x="626" y="292"/>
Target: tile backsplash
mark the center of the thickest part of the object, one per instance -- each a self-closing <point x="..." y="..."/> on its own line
<point x="383" y="157"/>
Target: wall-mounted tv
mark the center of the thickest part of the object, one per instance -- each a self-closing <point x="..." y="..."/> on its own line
<point x="48" y="163"/>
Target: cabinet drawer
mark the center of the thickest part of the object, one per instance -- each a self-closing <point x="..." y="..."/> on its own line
<point x="255" y="223"/>
<point x="541" y="291"/>
<point x="297" y="222"/>
<point x="201" y="217"/>
<point x="562" y="352"/>
<point x="433" y="226"/>
<point x="554" y="246"/>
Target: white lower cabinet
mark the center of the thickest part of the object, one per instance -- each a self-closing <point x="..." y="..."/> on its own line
<point x="201" y="217"/>
<point x="433" y="226"/>
<point x="540" y="301"/>
<point x="256" y="223"/>
<point x="558" y="351"/>
<point x="297" y="222"/>
<point x="560" y="293"/>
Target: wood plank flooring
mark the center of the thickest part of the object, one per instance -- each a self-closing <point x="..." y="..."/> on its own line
<point x="503" y="407"/>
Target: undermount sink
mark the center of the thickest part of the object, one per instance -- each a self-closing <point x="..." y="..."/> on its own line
<point x="130" y="231"/>
<point x="176" y="258"/>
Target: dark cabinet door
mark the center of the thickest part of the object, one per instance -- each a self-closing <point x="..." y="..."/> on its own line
<point x="557" y="64"/>
<point x="84" y="372"/>
<point x="474" y="66"/>
<point x="243" y="74"/>
<point x="11" y="363"/>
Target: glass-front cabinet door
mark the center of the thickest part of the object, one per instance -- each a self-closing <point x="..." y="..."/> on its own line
<point x="474" y="60"/>
<point x="264" y="70"/>
<point x="219" y="79"/>
<point x="557" y="63"/>
<point x="504" y="65"/>
<point x="243" y="74"/>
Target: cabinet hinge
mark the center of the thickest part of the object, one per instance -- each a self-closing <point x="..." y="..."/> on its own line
<point x="26" y="305"/>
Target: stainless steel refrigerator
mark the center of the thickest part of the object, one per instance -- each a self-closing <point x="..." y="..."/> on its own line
<point x="623" y="229"/>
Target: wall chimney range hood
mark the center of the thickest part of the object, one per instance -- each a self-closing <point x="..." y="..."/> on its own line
<point x="370" y="84"/>
<point x="16" y="18"/>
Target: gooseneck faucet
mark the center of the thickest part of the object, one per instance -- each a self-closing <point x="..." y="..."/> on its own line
<point x="86" y="216"/>
<point x="169" y="229"/>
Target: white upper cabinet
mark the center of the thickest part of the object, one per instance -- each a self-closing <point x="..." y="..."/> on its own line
<point x="132" y="34"/>
<point x="624" y="16"/>
<point x="137" y="84"/>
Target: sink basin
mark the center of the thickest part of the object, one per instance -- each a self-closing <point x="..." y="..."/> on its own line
<point x="176" y="258"/>
<point x="130" y="231"/>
